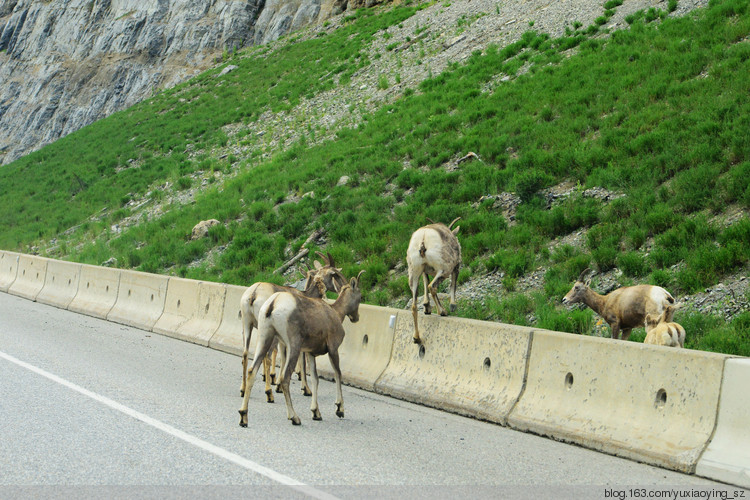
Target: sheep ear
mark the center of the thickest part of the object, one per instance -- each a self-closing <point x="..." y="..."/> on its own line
<point x="317" y="265"/>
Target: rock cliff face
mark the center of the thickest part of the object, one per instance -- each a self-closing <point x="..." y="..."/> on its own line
<point x="67" y="63"/>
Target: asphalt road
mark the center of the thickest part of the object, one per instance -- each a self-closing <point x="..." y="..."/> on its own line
<point x="90" y="408"/>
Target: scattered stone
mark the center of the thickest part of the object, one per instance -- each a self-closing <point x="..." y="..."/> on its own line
<point x="200" y="230"/>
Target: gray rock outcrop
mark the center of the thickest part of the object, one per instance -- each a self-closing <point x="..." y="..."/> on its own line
<point x="67" y="63"/>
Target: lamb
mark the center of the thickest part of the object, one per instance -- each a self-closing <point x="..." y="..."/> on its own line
<point x="322" y="278"/>
<point x="309" y="326"/>
<point x="433" y="250"/>
<point x="660" y="331"/>
<point x="623" y="309"/>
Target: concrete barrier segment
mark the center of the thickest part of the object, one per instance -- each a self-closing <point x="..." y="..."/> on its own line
<point x="8" y="269"/>
<point x="97" y="291"/>
<point x="60" y="283"/>
<point x="727" y="457"/>
<point x="470" y="367"/>
<point x="367" y="346"/>
<point x="228" y="337"/>
<point x="179" y="306"/>
<point x="208" y="315"/>
<point x="140" y="299"/>
<point x="649" y="403"/>
<point x="29" y="281"/>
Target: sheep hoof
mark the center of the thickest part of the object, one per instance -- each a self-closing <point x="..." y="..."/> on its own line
<point x="443" y="313"/>
<point x="295" y="420"/>
<point x="273" y="379"/>
<point x="339" y="411"/>
<point x="306" y="391"/>
<point x="269" y="396"/>
<point x="427" y="311"/>
<point x="242" y="393"/>
<point x="243" y="418"/>
<point x="316" y="415"/>
<point x="453" y="308"/>
<point x="278" y="389"/>
<point x="417" y="340"/>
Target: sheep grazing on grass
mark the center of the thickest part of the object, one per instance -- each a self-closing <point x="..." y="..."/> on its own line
<point x="662" y="331"/>
<point x="433" y="250"/>
<point x="309" y="326"/>
<point x="623" y="309"/>
<point x="322" y="278"/>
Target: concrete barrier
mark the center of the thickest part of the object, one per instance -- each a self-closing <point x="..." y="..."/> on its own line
<point x="97" y="291"/>
<point x="140" y="299"/>
<point x="228" y="337"/>
<point x="727" y="457"/>
<point x="207" y="317"/>
<point x="30" y="278"/>
<point x="179" y="306"/>
<point x="649" y="403"/>
<point x="470" y="367"/>
<point x="366" y="349"/>
<point x="60" y="284"/>
<point x="8" y="269"/>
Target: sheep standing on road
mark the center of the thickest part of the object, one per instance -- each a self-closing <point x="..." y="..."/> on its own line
<point x="304" y="325"/>
<point x="433" y="250"/>
<point x="623" y="309"/>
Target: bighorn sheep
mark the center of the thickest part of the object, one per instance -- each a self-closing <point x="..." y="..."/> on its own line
<point x="309" y="326"/>
<point x="661" y="331"/>
<point x="433" y="250"/>
<point x="624" y="308"/>
<point x="322" y="278"/>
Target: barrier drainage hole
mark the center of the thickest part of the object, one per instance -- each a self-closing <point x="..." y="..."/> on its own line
<point x="152" y="297"/>
<point x="106" y="289"/>
<point x="661" y="398"/>
<point x="487" y="363"/>
<point x="365" y="340"/>
<point x="129" y="292"/>
<point x="239" y="314"/>
<point x="421" y="351"/>
<point x="569" y="380"/>
<point x="178" y="304"/>
<point x="207" y="307"/>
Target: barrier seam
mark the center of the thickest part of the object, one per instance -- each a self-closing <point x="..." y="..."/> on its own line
<point x="525" y="378"/>
<point x="716" y="420"/>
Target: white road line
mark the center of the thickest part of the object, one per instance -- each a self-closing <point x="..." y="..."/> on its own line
<point x="204" y="445"/>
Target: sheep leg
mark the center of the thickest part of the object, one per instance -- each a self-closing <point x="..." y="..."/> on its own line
<point x="414" y="285"/>
<point x="433" y="290"/>
<point x="286" y="376"/>
<point x="303" y="376"/>
<point x="247" y="328"/>
<point x="454" y="283"/>
<point x="626" y="333"/>
<point x="615" y="330"/>
<point x="281" y="350"/>
<point x="333" y="356"/>
<point x="272" y="371"/>
<point x="426" y="302"/>
<point x="260" y="353"/>
<point x="314" y="373"/>
<point x="267" y="378"/>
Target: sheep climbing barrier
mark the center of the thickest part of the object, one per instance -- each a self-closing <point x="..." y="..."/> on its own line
<point x="677" y="408"/>
<point x="469" y="367"/>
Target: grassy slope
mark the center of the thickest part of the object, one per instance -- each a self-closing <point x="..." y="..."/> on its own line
<point x="659" y="112"/>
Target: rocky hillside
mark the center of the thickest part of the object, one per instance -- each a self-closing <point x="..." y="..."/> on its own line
<point x="68" y="63"/>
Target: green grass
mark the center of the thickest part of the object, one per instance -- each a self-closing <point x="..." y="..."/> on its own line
<point x="658" y="112"/>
